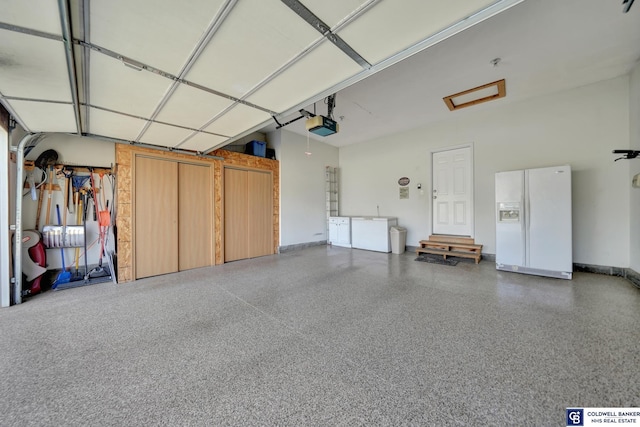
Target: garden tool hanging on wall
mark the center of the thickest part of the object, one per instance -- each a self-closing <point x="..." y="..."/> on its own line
<point x="104" y="215"/>
<point x="104" y="221"/>
<point x="45" y="161"/>
<point x="79" y="196"/>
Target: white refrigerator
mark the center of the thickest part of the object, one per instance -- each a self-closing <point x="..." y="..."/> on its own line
<point x="533" y="222"/>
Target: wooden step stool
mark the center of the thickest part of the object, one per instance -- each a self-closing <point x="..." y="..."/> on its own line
<point x="457" y="246"/>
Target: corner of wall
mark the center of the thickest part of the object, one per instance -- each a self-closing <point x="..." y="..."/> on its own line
<point x="634" y="168"/>
<point x="303" y="200"/>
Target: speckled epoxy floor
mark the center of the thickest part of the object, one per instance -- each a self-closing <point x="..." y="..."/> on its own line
<point x="322" y="336"/>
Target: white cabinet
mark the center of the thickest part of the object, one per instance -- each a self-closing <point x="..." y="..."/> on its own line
<point x="340" y="231"/>
<point x="372" y="233"/>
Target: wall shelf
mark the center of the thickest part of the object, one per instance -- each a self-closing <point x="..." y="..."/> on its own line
<point x="332" y="196"/>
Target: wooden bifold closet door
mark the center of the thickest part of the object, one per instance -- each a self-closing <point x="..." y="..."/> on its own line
<point x="248" y="214"/>
<point x="156" y="234"/>
<point x="195" y="228"/>
<point x="260" y="208"/>
<point x="173" y="216"/>
<point x="236" y="214"/>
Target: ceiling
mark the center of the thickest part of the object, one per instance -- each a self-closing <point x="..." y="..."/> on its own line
<point x="199" y="74"/>
<point x="545" y="46"/>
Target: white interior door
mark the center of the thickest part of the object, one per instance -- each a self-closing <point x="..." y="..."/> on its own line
<point x="452" y="192"/>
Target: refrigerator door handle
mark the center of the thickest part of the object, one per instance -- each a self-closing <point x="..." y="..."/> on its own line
<point x="526" y="223"/>
<point x="527" y="230"/>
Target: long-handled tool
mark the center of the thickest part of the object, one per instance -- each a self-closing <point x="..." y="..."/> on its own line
<point x="64" y="276"/>
<point x="79" y="217"/>
<point x="104" y="219"/>
<point x="49" y="194"/>
<point x="39" y="211"/>
<point x="68" y="197"/>
<point x="66" y="201"/>
<point x="84" y="225"/>
<point x="45" y="160"/>
<point x="102" y="228"/>
<point x="77" y="182"/>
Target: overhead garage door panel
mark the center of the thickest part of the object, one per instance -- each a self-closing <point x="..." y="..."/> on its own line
<point x="124" y="89"/>
<point x="158" y="33"/>
<point x="255" y="40"/>
<point x="386" y="29"/>
<point x="41" y="15"/>
<point x="25" y="60"/>
<point x="224" y="66"/>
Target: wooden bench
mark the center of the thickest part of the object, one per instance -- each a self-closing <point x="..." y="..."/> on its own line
<point x="455" y="246"/>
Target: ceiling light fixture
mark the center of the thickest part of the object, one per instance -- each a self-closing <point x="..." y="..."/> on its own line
<point x="477" y="95"/>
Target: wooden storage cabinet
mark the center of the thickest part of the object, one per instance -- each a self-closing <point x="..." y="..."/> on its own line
<point x="156" y="210"/>
<point x="248" y="214"/>
<point x="195" y="214"/>
<point x="173" y="216"/>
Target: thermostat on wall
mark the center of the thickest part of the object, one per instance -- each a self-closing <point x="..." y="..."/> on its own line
<point x="635" y="182"/>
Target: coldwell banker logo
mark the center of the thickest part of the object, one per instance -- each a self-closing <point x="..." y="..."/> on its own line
<point x="575" y="417"/>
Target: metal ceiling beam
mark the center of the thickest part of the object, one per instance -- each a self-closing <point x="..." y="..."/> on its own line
<point x="29" y="31"/>
<point x="65" y="22"/>
<point x="214" y="25"/>
<point x="85" y="59"/>
<point x="304" y="13"/>
<point x="47" y="101"/>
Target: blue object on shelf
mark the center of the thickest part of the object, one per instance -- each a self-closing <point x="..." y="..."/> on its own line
<point x="256" y="148"/>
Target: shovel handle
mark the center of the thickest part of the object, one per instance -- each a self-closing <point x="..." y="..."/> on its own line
<point x="64" y="268"/>
<point x="49" y="191"/>
<point x="39" y="211"/>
